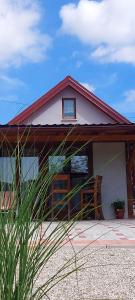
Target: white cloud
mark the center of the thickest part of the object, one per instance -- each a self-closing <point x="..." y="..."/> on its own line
<point x="78" y="64"/>
<point x="88" y="86"/>
<point x="130" y="96"/>
<point x="128" y="104"/>
<point x="9" y="88"/>
<point x="11" y="82"/>
<point x="108" y="26"/>
<point x="9" y="98"/>
<point x="21" y="39"/>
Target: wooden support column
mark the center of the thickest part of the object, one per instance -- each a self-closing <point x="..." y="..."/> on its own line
<point x="90" y="159"/>
<point x="18" y="175"/>
<point x="130" y="166"/>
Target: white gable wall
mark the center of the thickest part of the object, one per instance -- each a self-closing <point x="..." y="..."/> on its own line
<point x="51" y="113"/>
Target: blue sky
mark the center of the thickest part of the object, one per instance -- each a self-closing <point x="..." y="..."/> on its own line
<point x="42" y="41"/>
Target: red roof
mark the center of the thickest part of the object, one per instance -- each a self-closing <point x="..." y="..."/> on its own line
<point x="69" y="82"/>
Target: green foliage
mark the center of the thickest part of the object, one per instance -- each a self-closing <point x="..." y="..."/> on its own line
<point x="24" y="248"/>
<point x="118" y="204"/>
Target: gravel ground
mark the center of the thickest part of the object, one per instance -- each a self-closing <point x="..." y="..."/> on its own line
<point x="108" y="273"/>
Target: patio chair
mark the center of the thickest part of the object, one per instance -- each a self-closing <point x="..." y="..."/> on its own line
<point x="91" y="199"/>
<point x="59" y="202"/>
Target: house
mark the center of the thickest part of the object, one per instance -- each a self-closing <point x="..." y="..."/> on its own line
<point x="109" y="139"/>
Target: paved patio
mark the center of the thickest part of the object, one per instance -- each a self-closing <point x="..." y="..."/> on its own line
<point x="107" y="250"/>
<point x="98" y="233"/>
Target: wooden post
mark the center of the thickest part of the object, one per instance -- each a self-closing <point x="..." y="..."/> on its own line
<point x="130" y="167"/>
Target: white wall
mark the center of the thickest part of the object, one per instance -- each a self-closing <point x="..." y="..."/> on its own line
<point x="109" y="161"/>
<point x="51" y="113"/>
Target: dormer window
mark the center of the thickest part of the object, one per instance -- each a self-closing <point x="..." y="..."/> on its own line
<point x="69" y="108"/>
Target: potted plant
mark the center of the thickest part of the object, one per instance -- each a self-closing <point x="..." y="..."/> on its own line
<point x="119" y="208"/>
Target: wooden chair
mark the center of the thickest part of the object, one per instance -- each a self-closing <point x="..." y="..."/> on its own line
<point x="60" y="187"/>
<point x="94" y="192"/>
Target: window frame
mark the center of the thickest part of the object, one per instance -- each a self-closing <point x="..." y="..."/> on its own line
<point x="69" y="117"/>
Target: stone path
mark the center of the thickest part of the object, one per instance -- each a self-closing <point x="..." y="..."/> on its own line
<point x="97" y="233"/>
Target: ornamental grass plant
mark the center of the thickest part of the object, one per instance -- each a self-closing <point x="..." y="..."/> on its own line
<point x="24" y="248"/>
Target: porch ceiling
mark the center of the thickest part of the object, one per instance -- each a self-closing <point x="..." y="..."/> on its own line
<point x="56" y="133"/>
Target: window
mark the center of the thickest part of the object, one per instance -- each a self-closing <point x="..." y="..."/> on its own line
<point x="56" y="163"/>
<point x="69" y="108"/>
<point x="79" y="164"/>
<point x="29" y="173"/>
<point x="29" y="168"/>
<point x="7" y="173"/>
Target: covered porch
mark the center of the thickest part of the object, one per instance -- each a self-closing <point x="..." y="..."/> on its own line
<point x="90" y="150"/>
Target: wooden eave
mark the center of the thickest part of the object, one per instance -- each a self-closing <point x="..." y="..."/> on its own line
<point x="57" y="133"/>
